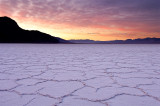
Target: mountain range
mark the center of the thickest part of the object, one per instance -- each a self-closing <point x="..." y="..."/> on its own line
<point x="128" y="41"/>
<point x="10" y="32"/>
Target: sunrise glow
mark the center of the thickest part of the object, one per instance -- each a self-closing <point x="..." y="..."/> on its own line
<point x="87" y="19"/>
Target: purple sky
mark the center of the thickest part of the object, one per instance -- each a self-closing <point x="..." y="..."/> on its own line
<point x="121" y="18"/>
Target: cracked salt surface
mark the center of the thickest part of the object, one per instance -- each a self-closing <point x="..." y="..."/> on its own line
<point x="79" y="75"/>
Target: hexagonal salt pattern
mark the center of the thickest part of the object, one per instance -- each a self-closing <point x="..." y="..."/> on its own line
<point x="79" y="75"/>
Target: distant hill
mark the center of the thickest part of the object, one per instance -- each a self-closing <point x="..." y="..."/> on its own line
<point x="83" y="41"/>
<point x="10" y="32"/>
<point x="128" y="41"/>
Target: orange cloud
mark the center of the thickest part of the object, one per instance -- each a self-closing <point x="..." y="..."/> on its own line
<point x="75" y="19"/>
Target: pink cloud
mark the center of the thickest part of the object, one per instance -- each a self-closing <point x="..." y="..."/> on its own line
<point x="122" y="15"/>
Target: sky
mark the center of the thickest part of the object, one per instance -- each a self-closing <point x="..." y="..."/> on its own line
<point x="87" y="19"/>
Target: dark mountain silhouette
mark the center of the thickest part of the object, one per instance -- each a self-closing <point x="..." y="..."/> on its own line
<point x="128" y="41"/>
<point x="10" y="32"/>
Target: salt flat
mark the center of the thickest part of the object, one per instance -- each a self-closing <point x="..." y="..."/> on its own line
<point x="79" y="75"/>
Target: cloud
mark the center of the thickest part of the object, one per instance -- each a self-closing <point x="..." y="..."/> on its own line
<point x="133" y="15"/>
